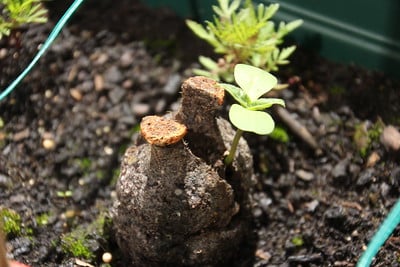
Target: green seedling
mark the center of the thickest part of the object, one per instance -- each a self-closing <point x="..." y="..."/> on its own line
<point x="243" y="34"/>
<point x="248" y="115"/>
<point x="16" y="13"/>
<point x="64" y="194"/>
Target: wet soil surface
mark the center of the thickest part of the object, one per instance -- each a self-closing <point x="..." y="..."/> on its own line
<point x="65" y="128"/>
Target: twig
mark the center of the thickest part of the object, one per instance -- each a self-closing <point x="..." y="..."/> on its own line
<point x="297" y="128"/>
<point x="3" y="258"/>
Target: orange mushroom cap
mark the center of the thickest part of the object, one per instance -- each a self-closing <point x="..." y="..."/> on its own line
<point x="161" y="131"/>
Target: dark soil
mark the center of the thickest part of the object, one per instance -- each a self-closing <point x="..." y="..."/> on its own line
<point x="70" y="121"/>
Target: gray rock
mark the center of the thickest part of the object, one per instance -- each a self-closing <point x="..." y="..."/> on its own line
<point x="116" y="94"/>
<point x="113" y="75"/>
<point x="365" y="177"/>
<point x="340" y="169"/>
<point x="126" y="59"/>
<point x="172" y="85"/>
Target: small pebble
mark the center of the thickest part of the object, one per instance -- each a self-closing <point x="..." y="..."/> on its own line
<point x="312" y="205"/>
<point x="140" y="109"/>
<point x="373" y="159"/>
<point x="5" y="181"/>
<point x="340" y="169"/>
<point x="99" y="59"/>
<point x="72" y="74"/>
<point x="98" y="82"/>
<point x="127" y="84"/>
<point x="172" y="85"/>
<point x="21" y="135"/>
<point x="108" y="150"/>
<point x="126" y="59"/>
<point x="107" y="257"/>
<point x="113" y="75"/>
<point x="365" y="177"/>
<point x="263" y="254"/>
<point x="76" y="94"/>
<point x="116" y="94"/>
<point x="178" y="192"/>
<point x="390" y="138"/>
<point x="3" y="53"/>
<point x="48" y="93"/>
<point x="48" y="144"/>
<point x="305" y="175"/>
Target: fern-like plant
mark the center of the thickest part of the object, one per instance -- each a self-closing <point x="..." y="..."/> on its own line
<point x="243" y="34"/>
<point x="16" y="13"/>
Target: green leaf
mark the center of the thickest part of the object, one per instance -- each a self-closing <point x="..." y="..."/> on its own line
<point x="205" y="73"/>
<point x="250" y="120"/>
<point x="237" y="93"/>
<point x="234" y="6"/>
<point x="208" y="63"/>
<point x="198" y="29"/>
<point x="254" y="81"/>
<point x="263" y="103"/>
<point x="293" y="25"/>
<point x="286" y="52"/>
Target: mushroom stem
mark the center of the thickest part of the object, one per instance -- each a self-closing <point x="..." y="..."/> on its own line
<point x="165" y="137"/>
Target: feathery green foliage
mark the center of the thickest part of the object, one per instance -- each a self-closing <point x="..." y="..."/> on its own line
<point x="16" y="13"/>
<point x="243" y="34"/>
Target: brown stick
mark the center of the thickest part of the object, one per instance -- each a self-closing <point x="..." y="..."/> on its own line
<point x="3" y="255"/>
<point x="297" y="128"/>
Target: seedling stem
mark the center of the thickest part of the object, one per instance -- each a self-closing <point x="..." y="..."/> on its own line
<point x="235" y="142"/>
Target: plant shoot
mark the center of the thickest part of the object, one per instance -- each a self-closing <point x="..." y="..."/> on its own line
<point x="248" y="115"/>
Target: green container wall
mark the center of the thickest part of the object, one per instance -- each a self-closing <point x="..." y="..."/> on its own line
<point x="363" y="32"/>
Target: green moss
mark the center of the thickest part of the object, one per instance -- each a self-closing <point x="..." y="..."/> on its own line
<point x="100" y="175"/>
<point x="364" y="136"/>
<point x="115" y="176"/>
<point x="84" y="164"/>
<point x="11" y="222"/>
<point x="132" y="131"/>
<point x="29" y="231"/>
<point x="280" y="134"/>
<point x="376" y="130"/>
<point x="82" y="242"/>
<point x="42" y="219"/>
<point x="76" y="246"/>
<point x="337" y="90"/>
<point x="298" y="241"/>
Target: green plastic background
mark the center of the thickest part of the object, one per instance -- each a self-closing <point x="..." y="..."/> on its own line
<point x="363" y="32"/>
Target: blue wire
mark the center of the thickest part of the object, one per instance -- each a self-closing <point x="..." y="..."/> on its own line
<point x="383" y="233"/>
<point x="57" y="28"/>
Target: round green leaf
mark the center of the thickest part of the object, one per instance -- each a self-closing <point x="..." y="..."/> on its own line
<point x="254" y="81"/>
<point x="258" y="122"/>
